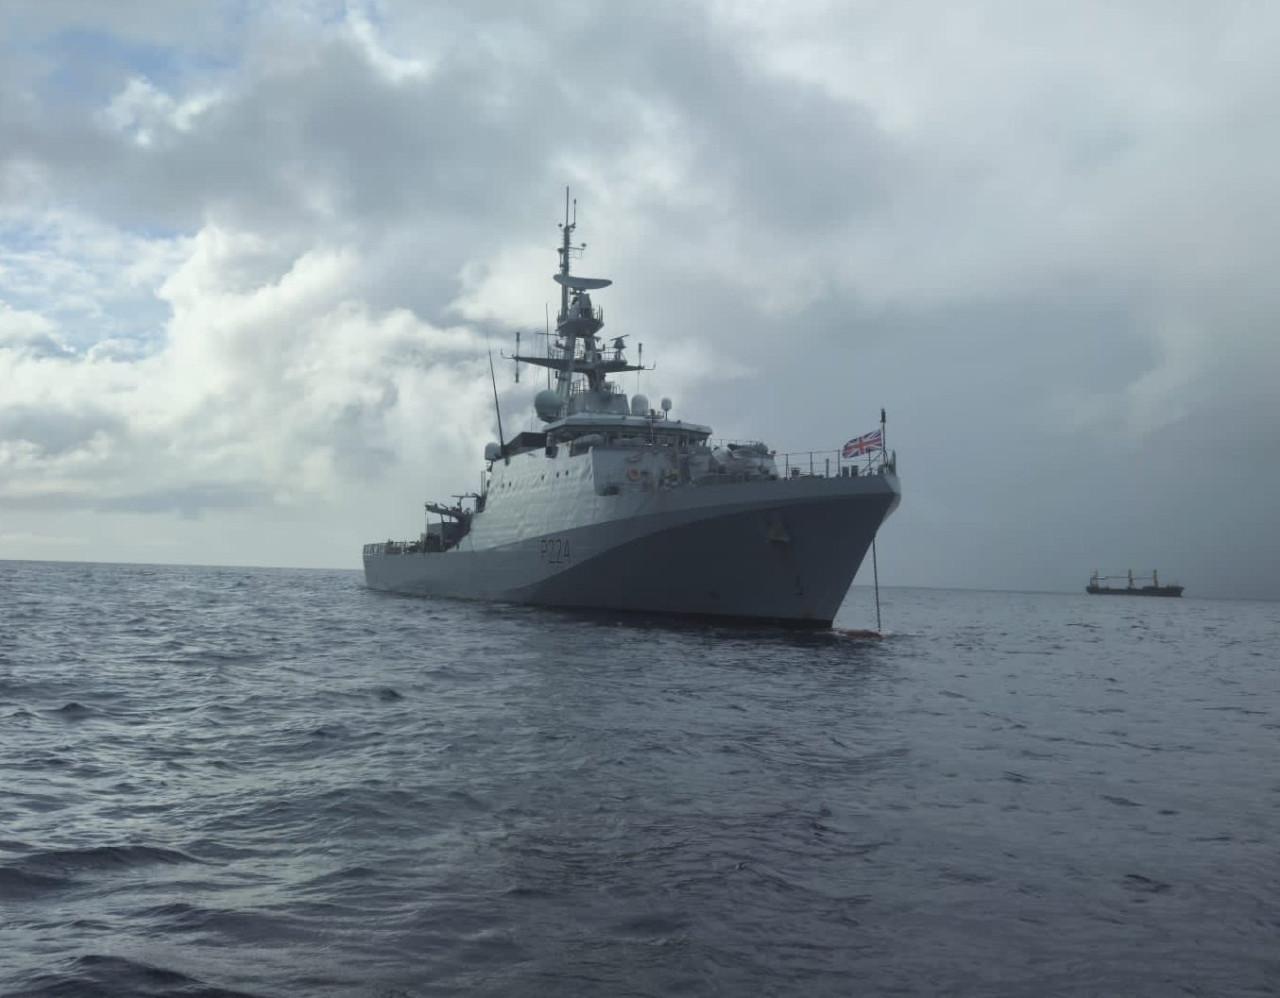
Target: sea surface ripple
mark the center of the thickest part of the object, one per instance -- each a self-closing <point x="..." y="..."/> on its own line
<point x="252" y="782"/>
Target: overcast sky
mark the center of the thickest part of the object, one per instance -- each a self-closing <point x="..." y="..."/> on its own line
<point x="251" y="255"/>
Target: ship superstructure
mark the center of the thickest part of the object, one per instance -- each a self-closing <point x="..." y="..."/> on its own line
<point x="615" y="504"/>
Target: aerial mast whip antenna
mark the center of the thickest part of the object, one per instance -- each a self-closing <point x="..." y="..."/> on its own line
<point x="502" y="440"/>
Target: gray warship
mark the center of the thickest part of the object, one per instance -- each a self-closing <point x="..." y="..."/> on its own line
<point x="616" y="505"/>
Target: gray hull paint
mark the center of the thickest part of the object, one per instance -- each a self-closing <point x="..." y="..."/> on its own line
<point x="783" y="551"/>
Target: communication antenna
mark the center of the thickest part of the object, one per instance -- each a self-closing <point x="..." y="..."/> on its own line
<point x="502" y="440"/>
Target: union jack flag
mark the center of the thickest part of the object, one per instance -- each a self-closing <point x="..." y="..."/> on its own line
<point x="863" y="444"/>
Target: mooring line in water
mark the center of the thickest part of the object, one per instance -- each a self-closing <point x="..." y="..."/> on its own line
<point x="878" y="633"/>
<point x="875" y="576"/>
<point x="857" y="632"/>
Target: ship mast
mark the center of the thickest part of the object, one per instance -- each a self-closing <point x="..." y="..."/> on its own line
<point x="577" y="351"/>
<point x="567" y="228"/>
<point x="564" y="377"/>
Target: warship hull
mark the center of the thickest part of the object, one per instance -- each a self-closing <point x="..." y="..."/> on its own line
<point x="783" y="552"/>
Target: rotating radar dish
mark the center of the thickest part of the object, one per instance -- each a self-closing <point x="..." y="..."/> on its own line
<point x="576" y="283"/>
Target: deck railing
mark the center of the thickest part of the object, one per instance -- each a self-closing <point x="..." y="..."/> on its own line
<point x="831" y="464"/>
<point x="828" y="463"/>
<point x="392" y="547"/>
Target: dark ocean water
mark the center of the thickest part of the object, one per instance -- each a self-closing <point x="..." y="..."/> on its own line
<point x="251" y="782"/>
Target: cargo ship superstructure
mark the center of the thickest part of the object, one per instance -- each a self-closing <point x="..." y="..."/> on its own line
<point x="614" y="504"/>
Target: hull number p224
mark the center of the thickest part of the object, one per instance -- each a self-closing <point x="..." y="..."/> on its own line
<point x="555" y="550"/>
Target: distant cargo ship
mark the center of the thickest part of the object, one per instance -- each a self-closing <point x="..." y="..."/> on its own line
<point x="1098" y="586"/>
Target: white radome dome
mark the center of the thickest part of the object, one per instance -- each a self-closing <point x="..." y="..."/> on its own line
<point x="548" y="405"/>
